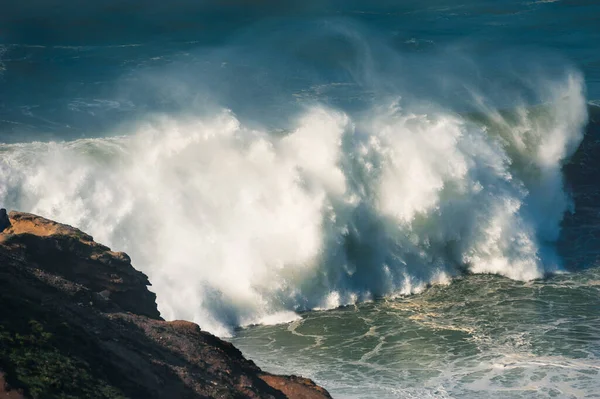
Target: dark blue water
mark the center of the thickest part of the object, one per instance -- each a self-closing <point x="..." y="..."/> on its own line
<point x="73" y="70"/>
<point x="431" y="164"/>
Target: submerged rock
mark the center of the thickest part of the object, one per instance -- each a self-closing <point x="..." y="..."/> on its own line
<point x="79" y="321"/>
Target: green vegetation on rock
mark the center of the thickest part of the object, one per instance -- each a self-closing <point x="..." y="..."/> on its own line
<point x="36" y="358"/>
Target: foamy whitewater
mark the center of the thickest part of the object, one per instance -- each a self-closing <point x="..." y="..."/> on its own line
<point x="433" y="164"/>
<point x="235" y="225"/>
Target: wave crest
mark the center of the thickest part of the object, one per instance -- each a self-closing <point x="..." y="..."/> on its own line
<point x="236" y="225"/>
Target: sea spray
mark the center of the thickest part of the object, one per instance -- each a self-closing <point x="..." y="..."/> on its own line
<point x="236" y="225"/>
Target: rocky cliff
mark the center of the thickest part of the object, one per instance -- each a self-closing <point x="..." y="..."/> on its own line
<point x="78" y="321"/>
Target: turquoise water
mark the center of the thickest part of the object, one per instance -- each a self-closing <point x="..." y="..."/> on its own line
<point x="396" y="199"/>
<point x="479" y="337"/>
<point x="73" y="71"/>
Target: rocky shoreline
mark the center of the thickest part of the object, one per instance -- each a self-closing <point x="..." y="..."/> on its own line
<point x="78" y="321"/>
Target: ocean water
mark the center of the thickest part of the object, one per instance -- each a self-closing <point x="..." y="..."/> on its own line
<point x="480" y="337"/>
<point x="396" y="200"/>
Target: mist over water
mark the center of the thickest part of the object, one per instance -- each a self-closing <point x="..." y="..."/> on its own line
<point x="238" y="222"/>
<point x="262" y="159"/>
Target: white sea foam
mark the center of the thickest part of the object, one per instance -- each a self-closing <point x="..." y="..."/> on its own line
<point x="237" y="226"/>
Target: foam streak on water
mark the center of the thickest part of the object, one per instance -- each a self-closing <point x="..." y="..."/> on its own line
<point x="480" y="337"/>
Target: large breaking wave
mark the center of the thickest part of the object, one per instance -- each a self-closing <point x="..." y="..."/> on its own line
<point x="236" y="225"/>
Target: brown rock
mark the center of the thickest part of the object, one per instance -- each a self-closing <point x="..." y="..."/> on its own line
<point x="68" y="253"/>
<point x="6" y="392"/>
<point x="81" y="318"/>
<point x="294" y="386"/>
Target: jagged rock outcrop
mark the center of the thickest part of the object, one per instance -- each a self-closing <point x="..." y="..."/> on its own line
<point x="82" y="264"/>
<point x="78" y="321"/>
